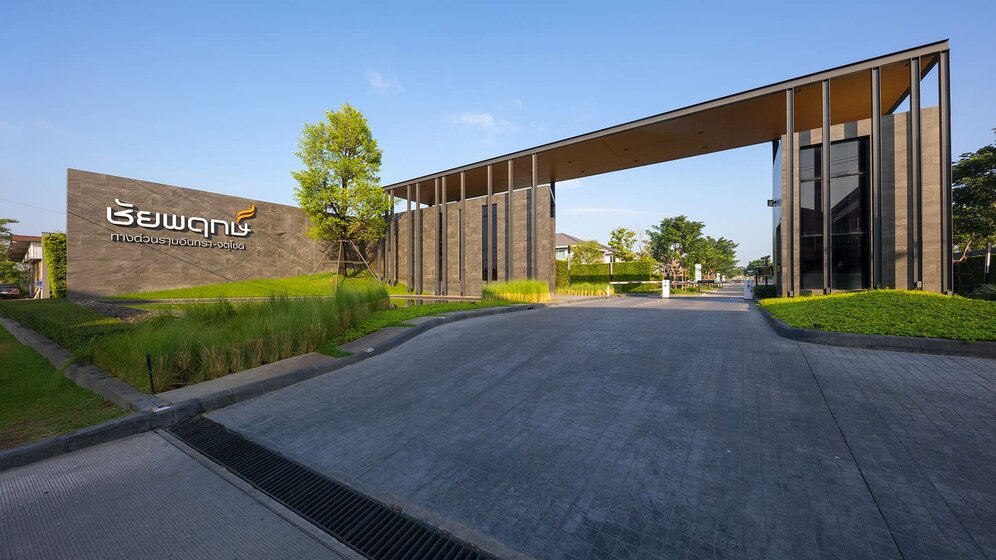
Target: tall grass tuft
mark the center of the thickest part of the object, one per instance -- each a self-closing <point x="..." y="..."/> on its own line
<point x="524" y="291"/>
<point x="195" y="342"/>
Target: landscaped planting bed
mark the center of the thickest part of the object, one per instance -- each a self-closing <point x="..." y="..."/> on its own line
<point x="890" y="312"/>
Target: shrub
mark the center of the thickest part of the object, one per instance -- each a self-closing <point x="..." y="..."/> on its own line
<point x="985" y="291"/>
<point x="524" y="291"/>
<point x="54" y="250"/>
<point x="621" y="272"/>
<point x="563" y="274"/>
<point x="638" y="288"/>
<point x="585" y="289"/>
<point x="764" y="291"/>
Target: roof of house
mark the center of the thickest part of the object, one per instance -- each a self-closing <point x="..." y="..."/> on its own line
<point x="565" y="240"/>
<point x="19" y="245"/>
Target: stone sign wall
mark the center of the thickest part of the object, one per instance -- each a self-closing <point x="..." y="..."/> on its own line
<point x="125" y="236"/>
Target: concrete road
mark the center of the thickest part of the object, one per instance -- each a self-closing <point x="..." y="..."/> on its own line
<point x="645" y="428"/>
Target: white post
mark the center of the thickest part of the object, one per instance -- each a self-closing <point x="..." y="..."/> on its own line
<point x="665" y="289"/>
<point x="748" y="289"/>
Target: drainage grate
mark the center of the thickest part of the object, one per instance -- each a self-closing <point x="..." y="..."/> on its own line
<point x="368" y="526"/>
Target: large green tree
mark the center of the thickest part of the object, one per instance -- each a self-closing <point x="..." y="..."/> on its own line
<point x="587" y="252"/>
<point x="339" y="185"/>
<point x="10" y="273"/>
<point x="622" y="242"/>
<point x="974" y="197"/>
<point x="677" y="243"/>
<point x="719" y="256"/>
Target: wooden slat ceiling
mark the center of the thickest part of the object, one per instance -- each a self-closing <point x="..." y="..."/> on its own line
<point x="731" y="122"/>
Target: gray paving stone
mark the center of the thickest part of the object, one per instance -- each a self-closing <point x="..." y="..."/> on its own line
<point x="631" y="428"/>
<point x="139" y="497"/>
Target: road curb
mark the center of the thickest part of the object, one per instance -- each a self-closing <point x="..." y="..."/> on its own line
<point x="941" y="346"/>
<point x="146" y="420"/>
<point x="88" y="376"/>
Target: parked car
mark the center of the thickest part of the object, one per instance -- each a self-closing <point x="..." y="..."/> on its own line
<point x="9" y="291"/>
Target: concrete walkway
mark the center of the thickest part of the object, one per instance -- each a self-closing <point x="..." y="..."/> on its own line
<point x="638" y="427"/>
<point x="140" y="498"/>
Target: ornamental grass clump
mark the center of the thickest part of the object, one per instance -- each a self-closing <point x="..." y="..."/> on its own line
<point x="521" y="291"/>
<point x="191" y="343"/>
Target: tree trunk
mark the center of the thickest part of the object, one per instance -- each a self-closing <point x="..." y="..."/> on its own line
<point x="989" y="255"/>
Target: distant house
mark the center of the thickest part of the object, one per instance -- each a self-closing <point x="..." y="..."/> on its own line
<point x="564" y="244"/>
<point x="27" y="249"/>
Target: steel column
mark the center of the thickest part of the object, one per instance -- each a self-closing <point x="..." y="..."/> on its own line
<point x="789" y="217"/>
<point x="916" y="187"/>
<point x="487" y="228"/>
<point x="463" y="248"/>
<point x="389" y="239"/>
<point x="436" y="227"/>
<point x="419" y="279"/>
<point x="509" y="250"/>
<point x="534" y="221"/>
<point x="944" y="109"/>
<point x="411" y="239"/>
<point x="445" y="260"/>
<point x="825" y="190"/>
<point x="875" y="224"/>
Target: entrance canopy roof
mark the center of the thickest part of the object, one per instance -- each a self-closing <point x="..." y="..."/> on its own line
<point x="734" y="121"/>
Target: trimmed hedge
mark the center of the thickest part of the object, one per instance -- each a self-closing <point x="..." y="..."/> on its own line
<point x="621" y="272"/>
<point x="563" y="275"/>
<point x="54" y="247"/>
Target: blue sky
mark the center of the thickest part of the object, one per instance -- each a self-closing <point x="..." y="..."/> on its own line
<point x="213" y="95"/>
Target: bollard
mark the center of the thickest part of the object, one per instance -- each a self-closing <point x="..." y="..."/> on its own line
<point x="148" y="364"/>
<point x="748" y="289"/>
<point x="665" y="289"/>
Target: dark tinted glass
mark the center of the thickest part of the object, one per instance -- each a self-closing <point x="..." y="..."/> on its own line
<point x="810" y="209"/>
<point x="847" y="158"/>
<point x="811" y="263"/>
<point x="849" y="254"/>
<point x="847" y="204"/>
<point x="810" y="163"/>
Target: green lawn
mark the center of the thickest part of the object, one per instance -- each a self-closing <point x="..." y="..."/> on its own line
<point x="397" y="317"/>
<point x="890" y="312"/>
<point x="36" y="401"/>
<point x="319" y="285"/>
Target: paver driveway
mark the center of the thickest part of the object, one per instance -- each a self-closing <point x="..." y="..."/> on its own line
<point x="646" y="428"/>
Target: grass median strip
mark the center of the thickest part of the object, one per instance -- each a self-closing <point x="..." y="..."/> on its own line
<point x="37" y="402"/>
<point x="890" y="312"/>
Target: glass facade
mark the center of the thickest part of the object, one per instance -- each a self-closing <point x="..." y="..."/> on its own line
<point x="849" y="213"/>
<point x="489" y="243"/>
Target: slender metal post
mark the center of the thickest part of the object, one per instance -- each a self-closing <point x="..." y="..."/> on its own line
<point x="789" y="216"/>
<point x="444" y="261"/>
<point x="437" y="227"/>
<point x="825" y="190"/>
<point x="486" y="237"/>
<point x="944" y="110"/>
<point x="916" y="188"/>
<point x="875" y="224"/>
<point x="389" y="248"/>
<point x="411" y="239"/>
<point x="534" y="221"/>
<point x="509" y="222"/>
<point x="419" y="279"/>
<point x="148" y="364"/>
<point x="463" y="244"/>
